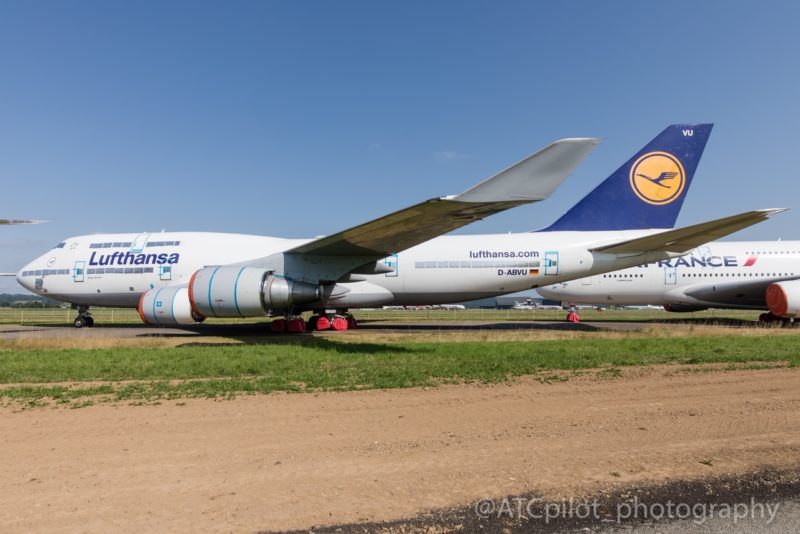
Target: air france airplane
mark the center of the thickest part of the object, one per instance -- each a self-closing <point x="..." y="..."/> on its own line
<point x="399" y="259"/>
<point x="754" y="275"/>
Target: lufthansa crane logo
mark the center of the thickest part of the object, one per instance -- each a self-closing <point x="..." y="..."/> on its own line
<point x="658" y="178"/>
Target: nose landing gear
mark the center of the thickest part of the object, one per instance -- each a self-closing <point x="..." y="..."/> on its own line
<point x="84" y="318"/>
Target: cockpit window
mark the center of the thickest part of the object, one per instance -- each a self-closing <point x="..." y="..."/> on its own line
<point x="60" y="245"/>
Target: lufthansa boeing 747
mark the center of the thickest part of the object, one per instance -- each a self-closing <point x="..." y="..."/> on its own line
<point x="402" y="258"/>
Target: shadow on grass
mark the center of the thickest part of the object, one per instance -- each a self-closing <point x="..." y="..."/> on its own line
<point x="510" y="325"/>
<point x="311" y="342"/>
<point x="722" y="321"/>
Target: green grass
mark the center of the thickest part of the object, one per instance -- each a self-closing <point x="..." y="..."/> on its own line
<point x="323" y="364"/>
<point x="118" y="316"/>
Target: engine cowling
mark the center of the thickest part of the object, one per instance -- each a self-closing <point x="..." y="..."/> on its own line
<point x="167" y="306"/>
<point x="245" y="292"/>
<point x="783" y="298"/>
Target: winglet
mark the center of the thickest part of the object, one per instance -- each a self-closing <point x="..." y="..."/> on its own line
<point x="535" y="177"/>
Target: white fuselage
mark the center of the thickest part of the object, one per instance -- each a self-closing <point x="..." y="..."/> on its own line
<point x="115" y="269"/>
<point x="707" y="277"/>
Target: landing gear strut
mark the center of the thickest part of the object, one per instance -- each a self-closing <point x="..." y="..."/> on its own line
<point x="83" y="318"/>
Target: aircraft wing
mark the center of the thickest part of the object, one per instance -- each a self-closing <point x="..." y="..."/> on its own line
<point x="8" y="274"/>
<point x="682" y="240"/>
<point x="530" y="180"/>
<point x="18" y="221"/>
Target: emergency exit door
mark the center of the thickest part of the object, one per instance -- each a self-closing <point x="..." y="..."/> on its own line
<point x="551" y="263"/>
<point x="79" y="272"/>
<point x="670" y="276"/>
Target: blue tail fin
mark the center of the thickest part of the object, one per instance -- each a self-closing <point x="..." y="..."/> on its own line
<point x="646" y="192"/>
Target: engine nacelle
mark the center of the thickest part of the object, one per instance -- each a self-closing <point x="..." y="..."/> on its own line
<point x="167" y="306"/>
<point x="783" y="298"/>
<point x="245" y="292"/>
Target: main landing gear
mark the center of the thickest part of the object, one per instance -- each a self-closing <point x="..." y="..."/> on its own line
<point x="573" y="316"/>
<point x="334" y="321"/>
<point x="83" y="318"/>
<point x="319" y="321"/>
<point x="292" y="324"/>
<point x="768" y="318"/>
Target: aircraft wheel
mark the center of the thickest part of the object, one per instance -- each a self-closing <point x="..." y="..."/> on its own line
<point x="296" y="326"/>
<point x="79" y="322"/>
<point x="89" y="322"/>
<point x="278" y="325"/>
<point x="339" y="323"/>
<point x="312" y="323"/>
<point x="323" y="323"/>
<point x="351" y="322"/>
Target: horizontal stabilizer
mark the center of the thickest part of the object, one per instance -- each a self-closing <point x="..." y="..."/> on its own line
<point x="531" y="180"/>
<point x="682" y="240"/>
<point x="8" y="274"/>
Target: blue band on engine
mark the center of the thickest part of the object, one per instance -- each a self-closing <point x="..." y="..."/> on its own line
<point x="210" y="281"/>
<point x="172" y="306"/>
<point x="155" y="299"/>
<point x="235" y="297"/>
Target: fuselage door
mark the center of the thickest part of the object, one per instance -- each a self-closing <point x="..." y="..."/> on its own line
<point x="551" y="262"/>
<point x="670" y="276"/>
<point x="79" y="272"/>
<point x="139" y="243"/>
<point x="392" y="263"/>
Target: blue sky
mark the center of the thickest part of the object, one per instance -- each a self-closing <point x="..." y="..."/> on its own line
<point x="302" y="118"/>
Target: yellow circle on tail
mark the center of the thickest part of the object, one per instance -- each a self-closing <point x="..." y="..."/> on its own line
<point x="658" y="178"/>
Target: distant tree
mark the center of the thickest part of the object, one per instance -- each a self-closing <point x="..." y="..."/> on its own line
<point x="27" y="301"/>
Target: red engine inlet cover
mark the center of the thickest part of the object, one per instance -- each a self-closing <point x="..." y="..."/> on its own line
<point x="777" y="302"/>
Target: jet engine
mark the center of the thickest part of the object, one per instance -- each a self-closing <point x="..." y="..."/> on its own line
<point x="783" y="298"/>
<point x="167" y="306"/>
<point x="234" y="291"/>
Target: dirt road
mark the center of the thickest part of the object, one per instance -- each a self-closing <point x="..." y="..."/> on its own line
<point x="296" y="460"/>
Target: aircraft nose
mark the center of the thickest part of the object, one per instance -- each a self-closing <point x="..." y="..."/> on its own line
<point x="25" y="281"/>
<point x="548" y="291"/>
